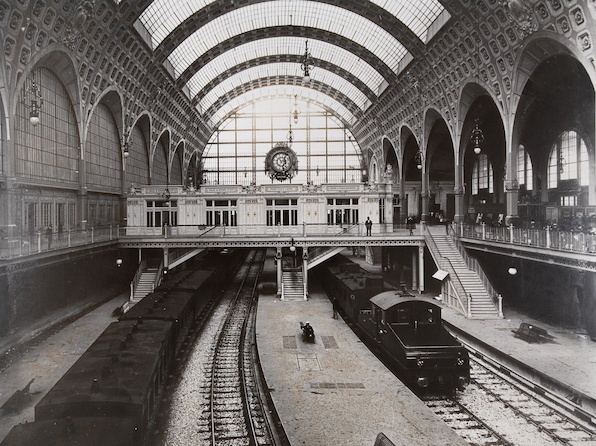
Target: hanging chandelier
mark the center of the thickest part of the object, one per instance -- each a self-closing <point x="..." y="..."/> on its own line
<point x="307" y="63"/>
<point x="35" y="100"/>
<point x="477" y="137"/>
<point x="419" y="159"/>
<point x="296" y="112"/>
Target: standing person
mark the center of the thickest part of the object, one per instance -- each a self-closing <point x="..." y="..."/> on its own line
<point x="368" y="225"/>
<point x="49" y="236"/>
<point x="334" y="304"/>
<point x="410" y="225"/>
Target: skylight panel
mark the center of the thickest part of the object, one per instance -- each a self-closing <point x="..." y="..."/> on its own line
<point x="283" y="69"/>
<point x="282" y="13"/>
<point x="417" y="15"/>
<point x="285" y="45"/>
<point x="163" y="16"/>
<point x="285" y="91"/>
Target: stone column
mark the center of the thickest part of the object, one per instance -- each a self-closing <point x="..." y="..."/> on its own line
<point x="460" y="211"/>
<point x="279" y="276"/>
<point x="414" y="271"/>
<point x="9" y="198"/>
<point x="305" y="271"/>
<point x="421" y="269"/>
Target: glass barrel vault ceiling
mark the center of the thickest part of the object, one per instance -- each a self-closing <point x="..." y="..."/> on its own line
<point x="277" y="46"/>
<point x="282" y="69"/>
<point x="162" y="17"/>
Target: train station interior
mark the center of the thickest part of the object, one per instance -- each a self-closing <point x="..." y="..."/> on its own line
<point x="451" y="144"/>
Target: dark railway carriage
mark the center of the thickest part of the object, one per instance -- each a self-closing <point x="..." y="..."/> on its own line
<point x="88" y="431"/>
<point x="351" y="286"/>
<point x="110" y="395"/>
<point x="179" y="302"/>
<point x="120" y="376"/>
<point x="411" y="331"/>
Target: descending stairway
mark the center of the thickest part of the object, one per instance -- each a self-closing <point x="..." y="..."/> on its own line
<point x="469" y="283"/>
<point x="318" y="255"/>
<point x="293" y="285"/>
<point x="145" y="284"/>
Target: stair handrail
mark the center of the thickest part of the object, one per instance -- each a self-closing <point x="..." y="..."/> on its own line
<point x="458" y="287"/>
<point x="345" y="230"/>
<point x="135" y="281"/>
<point x="445" y="264"/>
<point x="315" y="253"/>
<point x="474" y="265"/>
<point x="158" y="276"/>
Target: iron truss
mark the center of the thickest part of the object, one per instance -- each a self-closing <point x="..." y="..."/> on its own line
<point x="271" y="242"/>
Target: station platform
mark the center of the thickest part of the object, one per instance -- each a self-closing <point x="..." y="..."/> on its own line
<point x="335" y="392"/>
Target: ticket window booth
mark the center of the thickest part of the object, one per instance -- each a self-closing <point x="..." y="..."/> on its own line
<point x="161" y="213"/>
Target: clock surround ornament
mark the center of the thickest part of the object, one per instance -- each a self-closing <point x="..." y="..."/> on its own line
<point x="281" y="162"/>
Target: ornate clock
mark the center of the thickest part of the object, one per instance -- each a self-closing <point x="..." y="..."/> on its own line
<point x="281" y="162"/>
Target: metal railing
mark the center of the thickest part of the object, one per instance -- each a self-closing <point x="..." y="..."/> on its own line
<point x="540" y="238"/>
<point x="135" y="281"/>
<point x="473" y="264"/>
<point x="41" y="241"/>
<point x="261" y="230"/>
<point x="461" y="298"/>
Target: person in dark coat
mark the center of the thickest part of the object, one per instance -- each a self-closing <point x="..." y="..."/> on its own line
<point x="368" y="225"/>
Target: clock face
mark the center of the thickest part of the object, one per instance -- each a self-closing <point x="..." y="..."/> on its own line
<point x="281" y="162"/>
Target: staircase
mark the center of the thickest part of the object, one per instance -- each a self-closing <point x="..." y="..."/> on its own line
<point x="145" y="284"/>
<point x="292" y="285"/>
<point x="318" y="255"/>
<point x="476" y="300"/>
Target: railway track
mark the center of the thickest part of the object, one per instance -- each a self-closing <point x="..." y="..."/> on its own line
<point x="497" y="409"/>
<point x="218" y="398"/>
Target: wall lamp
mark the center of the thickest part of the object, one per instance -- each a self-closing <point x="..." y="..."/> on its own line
<point x="292" y="246"/>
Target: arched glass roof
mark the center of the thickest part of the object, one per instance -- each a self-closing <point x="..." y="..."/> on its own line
<point x="163" y="16"/>
<point x="280" y="46"/>
<point x="284" y="69"/>
<point x="220" y="43"/>
<point x="303" y="93"/>
<point x="302" y="13"/>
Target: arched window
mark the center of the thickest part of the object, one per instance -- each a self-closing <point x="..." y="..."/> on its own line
<point x="326" y="150"/>
<point x="482" y="176"/>
<point x="524" y="169"/>
<point x="568" y="161"/>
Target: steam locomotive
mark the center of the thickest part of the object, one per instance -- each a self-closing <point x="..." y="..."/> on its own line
<point x="408" y="330"/>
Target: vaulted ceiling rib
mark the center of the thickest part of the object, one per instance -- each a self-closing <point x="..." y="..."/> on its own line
<point x="220" y="48"/>
<point x="291" y="46"/>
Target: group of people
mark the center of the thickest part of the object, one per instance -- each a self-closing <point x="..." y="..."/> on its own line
<point x="410" y="225"/>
